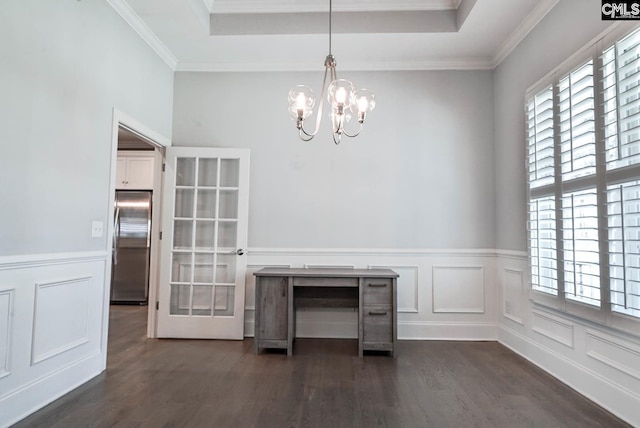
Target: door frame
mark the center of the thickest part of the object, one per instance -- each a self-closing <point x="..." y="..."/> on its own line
<point x="158" y="140"/>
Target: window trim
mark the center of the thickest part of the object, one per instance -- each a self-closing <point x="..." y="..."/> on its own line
<point x="603" y="314"/>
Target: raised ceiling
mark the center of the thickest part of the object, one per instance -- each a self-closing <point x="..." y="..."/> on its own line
<point x="283" y="35"/>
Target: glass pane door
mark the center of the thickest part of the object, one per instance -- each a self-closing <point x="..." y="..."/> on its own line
<point x="205" y="225"/>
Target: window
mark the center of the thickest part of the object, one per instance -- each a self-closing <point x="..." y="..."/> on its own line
<point x="583" y="158"/>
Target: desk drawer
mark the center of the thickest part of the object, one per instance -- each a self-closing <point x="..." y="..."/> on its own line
<point x="377" y="292"/>
<point x="378" y="324"/>
<point x="302" y="281"/>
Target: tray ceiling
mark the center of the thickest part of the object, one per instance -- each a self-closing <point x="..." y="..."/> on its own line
<point x="282" y="35"/>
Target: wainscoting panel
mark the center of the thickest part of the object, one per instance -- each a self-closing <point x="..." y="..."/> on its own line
<point x="51" y="329"/>
<point x="408" y="288"/>
<point x="6" y="319"/>
<point x="614" y="353"/>
<point x="60" y="320"/>
<point x="602" y="366"/>
<point x="458" y="289"/>
<point x="464" y="299"/>
<point x="568" y="367"/>
<point x="554" y="328"/>
<point x="512" y="294"/>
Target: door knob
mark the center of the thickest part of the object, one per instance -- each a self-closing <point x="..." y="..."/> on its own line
<point x="239" y="251"/>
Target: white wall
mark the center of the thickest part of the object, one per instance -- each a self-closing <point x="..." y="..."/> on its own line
<point x="419" y="176"/>
<point x="414" y="192"/>
<point x="65" y="66"/>
<point x="600" y="363"/>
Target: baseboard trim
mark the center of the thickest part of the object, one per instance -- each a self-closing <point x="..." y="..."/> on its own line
<point x="616" y="399"/>
<point x="457" y="331"/>
<point x="20" y="403"/>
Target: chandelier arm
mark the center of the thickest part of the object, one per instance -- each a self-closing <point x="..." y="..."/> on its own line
<point x="303" y="131"/>
<point x="344" y="131"/>
<point x="321" y="106"/>
<point x="319" y="114"/>
<point x="302" y="134"/>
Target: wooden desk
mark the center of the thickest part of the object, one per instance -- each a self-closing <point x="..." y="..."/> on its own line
<point x="280" y="291"/>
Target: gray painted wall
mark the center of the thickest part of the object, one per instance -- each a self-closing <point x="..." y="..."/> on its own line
<point x="419" y="176"/>
<point x="65" y="66"/>
<point x="566" y="29"/>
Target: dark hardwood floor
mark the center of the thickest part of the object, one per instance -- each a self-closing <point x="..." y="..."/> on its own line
<point x="203" y="383"/>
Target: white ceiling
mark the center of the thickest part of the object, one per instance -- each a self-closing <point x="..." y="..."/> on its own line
<point x="285" y="35"/>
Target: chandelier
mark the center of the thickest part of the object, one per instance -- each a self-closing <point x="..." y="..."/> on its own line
<point x="344" y="98"/>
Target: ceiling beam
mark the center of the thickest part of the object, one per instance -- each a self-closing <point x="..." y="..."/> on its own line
<point x="298" y="6"/>
<point x="237" y="24"/>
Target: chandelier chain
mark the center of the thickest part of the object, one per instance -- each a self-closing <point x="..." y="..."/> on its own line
<point x="330" y="14"/>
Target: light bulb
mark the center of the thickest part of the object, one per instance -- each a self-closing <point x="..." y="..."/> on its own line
<point x="364" y="100"/>
<point x="363" y="104"/>
<point x="341" y="93"/>
<point x="341" y="96"/>
<point x="301" y="102"/>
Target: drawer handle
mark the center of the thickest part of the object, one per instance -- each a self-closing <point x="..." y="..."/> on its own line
<point x="378" y="313"/>
<point x="378" y="285"/>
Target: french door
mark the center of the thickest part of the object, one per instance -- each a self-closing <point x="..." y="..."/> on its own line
<point x="204" y="237"/>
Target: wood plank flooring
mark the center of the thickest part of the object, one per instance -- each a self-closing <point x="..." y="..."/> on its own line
<point x="203" y="383"/>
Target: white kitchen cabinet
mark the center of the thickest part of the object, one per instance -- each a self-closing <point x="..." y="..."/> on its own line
<point x="135" y="170"/>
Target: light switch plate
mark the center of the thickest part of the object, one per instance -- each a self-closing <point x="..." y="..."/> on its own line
<point x="96" y="229"/>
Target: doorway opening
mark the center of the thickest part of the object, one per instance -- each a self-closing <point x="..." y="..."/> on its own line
<point x="132" y="226"/>
<point x="205" y="202"/>
<point x="137" y="158"/>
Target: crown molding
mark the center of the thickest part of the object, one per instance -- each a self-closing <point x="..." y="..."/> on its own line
<point x="296" y="6"/>
<point x="429" y="65"/>
<point x="138" y="25"/>
<point x="522" y="30"/>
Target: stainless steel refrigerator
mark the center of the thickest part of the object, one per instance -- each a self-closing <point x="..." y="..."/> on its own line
<point x="131" y="247"/>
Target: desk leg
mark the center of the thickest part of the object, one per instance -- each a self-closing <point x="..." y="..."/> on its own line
<point x="394" y="290"/>
<point x="256" y="322"/>
<point x="360" y="317"/>
<point x="291" y="319"/>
